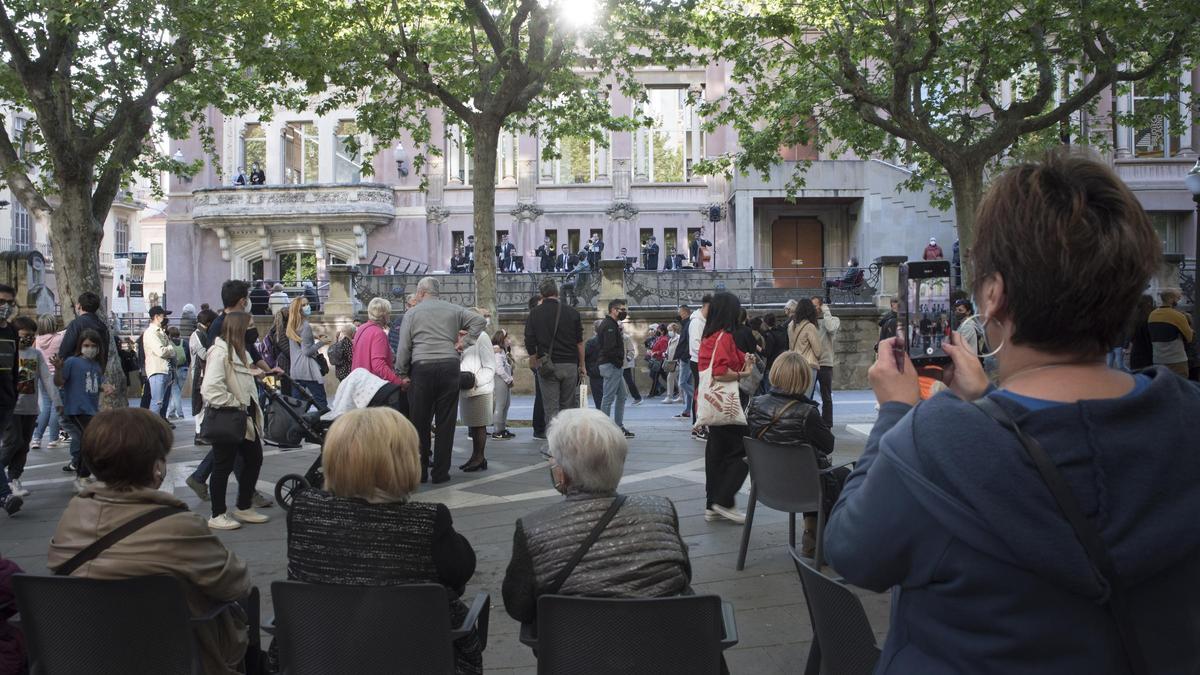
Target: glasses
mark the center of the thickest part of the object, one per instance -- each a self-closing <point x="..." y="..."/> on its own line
<point x="7" y="302"/>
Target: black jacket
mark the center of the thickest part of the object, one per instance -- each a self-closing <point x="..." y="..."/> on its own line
<point x="85" y="321"/>
<point x="800" y="423"/>
<point x="612" y="345"/>
<point x="683" y="350"/>
<point x="539" y="332"/>
<point x="260" y="301"/>
<point x="591" y="356"/>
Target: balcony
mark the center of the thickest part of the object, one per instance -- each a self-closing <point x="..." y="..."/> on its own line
<point x="366" y="204"/>
<point x="1154" y="173"/>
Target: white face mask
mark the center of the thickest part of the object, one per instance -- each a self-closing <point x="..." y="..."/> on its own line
<point x="90" y="352"/>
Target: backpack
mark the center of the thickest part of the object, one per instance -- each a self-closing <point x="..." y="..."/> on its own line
<point x="266" y="348"/>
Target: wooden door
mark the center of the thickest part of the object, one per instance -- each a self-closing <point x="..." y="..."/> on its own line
<point x="797" y="252"/>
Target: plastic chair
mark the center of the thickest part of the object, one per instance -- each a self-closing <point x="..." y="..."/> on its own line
<point x="843" y="641"/>
<point x="134" y="626"/>
<point x="325" y="628"/>
<point x="784" y="478"/>
<point x="656" y="636"/>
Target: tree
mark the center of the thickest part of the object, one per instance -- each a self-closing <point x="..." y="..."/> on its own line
<point x="951" y="88"/>
<point x="489" y="67"/>
<point x="97" y="77"/>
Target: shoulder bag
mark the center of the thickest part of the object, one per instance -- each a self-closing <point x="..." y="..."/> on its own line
<point x="593" y="536"/>
<point x="1097" y="553"/>
<point x="117" y="534"/>
<point x="718" y="403"/>
<point x="226" y="424"/>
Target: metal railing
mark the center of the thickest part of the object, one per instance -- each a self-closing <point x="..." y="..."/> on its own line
<point x="757" y="288"/>
<point x="1187" y="282"/>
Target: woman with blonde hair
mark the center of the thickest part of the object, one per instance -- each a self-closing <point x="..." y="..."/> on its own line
<point x="475" y="404"/>
<point x="785" y="415"/>
<point x="372" y="467"/>
<point x="229" y="383"/>
<point x="305" y="350"/>
<point x="48" y="340"/>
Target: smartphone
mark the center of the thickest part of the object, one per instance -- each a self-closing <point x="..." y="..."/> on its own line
<point x="926" y="313"/>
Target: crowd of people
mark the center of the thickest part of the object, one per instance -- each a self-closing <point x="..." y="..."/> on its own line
<point x="1025" y="531"/>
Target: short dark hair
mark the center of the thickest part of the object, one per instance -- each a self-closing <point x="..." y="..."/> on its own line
<point x="5" y="288"/>
<point x="769" y="319"/>
<point x="616" y="302"/>
<point x="706" y="299"/>
<point x="233" y="291"/>
<point x="534" y="300"/>
<point x="548" y="288"/>
<point x="206" y="317"/>
<point x="89" y="301"/>
<point x="723" y="311"/>
<point x="24" y="323"/>
<point x="121" y="446"/>
<point x="1074" y="248"/>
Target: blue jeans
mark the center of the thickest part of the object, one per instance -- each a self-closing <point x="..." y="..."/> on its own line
<point x="317" y="390"/>
<point x="47" y="420"/>
<point x="175" y="405"/>
<point x="158" y="389"/>
<point x="614" y="391"/>
<point x="75" y="424"/>
<point x="686" y="385"/>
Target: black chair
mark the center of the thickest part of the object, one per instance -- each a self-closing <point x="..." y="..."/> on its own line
<point x="843" y="641"/>
<point x="784" y="478"/>
<point x="656" y="636"/>
<point x="323" y="628"/>
<point x="139" y="625"/>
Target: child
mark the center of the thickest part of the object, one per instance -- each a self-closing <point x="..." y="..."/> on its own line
<point x="178" y="374"/>
<point x="341" y="353"/>
<point x="33" y="377"/>
<point x="79" y="376"/>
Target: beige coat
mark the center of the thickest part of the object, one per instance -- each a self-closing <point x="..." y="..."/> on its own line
<point x="806" y="340"/>
<point x="179" y="545"/>
<point x="229" y="383"/>
<point x="158" y="349"/>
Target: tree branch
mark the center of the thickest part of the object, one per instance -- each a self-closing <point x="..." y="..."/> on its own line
<point x="18" y="181"/>
<point x="423" y="81"/>
<point x="488" y="24"/>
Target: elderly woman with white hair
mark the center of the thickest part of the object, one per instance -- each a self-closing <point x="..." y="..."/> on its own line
<point x="370" y="349"/>
<point x="639" y="552"/>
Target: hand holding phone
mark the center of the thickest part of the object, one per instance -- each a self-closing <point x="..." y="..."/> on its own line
<point x="893" y="378"/>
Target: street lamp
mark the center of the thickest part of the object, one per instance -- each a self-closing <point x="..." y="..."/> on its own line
<point x="401" y="158"/>
<point x="1192" y="180"/>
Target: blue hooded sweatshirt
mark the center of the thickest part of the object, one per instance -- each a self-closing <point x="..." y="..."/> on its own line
<point x="946" y="508"/>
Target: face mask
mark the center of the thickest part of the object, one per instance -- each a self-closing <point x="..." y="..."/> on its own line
<point x="27" y="341"/>
<point x="622" y="315"/>
<point x="307" y="310"/>
<point x="90" y="352"/>
<point x="6" y="312"/>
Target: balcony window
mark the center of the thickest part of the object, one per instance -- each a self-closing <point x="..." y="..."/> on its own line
<point x="673" y="141"/>
<point x="1155" y="137"/>
<point x="577" y="163"/>
<point x="156" y="257"/>
<point x="301" y="153"/>
<point x="254" y="147"/>
<point x="297" y="266"/>
<point x="121" y="236"/>
<point x="1168" y="226"/>
<point x="347" y="159"/>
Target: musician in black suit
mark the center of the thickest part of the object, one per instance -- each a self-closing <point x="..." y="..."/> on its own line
<point x="545" y="254"/>
<point x="505" y="252"/>
<point x="650" y="254"/>
<point x="563" y="262"/>
<point x="458" y="261"/>
<point x="674" y="260"/>
<point x="469" y="253"/>
<point x="627" y="260"/>
<point x="595" y="251"/>
<point x="694" y="249"/>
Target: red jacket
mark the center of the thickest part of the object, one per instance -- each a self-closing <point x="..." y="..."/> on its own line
<point x="372" y="351"/>
<point x="933" y="252"/>
<point x="659" y="350"/>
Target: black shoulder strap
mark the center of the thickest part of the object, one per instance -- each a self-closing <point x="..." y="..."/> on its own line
<point x="1085" y="532"/>
<point x="554" y="335"/>
<point x="775" y="419"/>
<point x="561" y="577"/>
<point x="124" y="530"/>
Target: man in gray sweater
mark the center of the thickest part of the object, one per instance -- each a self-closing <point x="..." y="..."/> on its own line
<point x="428" y="351"/>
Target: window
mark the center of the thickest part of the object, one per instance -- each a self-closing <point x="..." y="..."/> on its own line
<point x="578" y="161"/>
<point x="254" y="148"/>
<point x="1156" y="137"/>
<point x="121" y="236"/>
<point x="21" y="229"/>
<point x="256" y="269"/>
<point x="458" y="156"/>
<point x="573" y="243"/>
<point x="1168" y="226"/>
<point x="670" y="242"/>
<point x="673" y="141"/>
<point x="553" y="234"/>
<point x="297" y="266"/>
<point x="347" y="158"/>
<point x="301" y="153"/>
<point x="156" y="257"/>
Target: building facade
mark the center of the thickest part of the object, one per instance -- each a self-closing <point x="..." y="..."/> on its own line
<point x="320" y="205"/>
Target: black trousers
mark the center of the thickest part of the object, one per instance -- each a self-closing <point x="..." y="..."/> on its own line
<point x="433" y="398"/>
<point x="825" y="381"/>
<point x="627" y="373"/>
<point x="695" y="386"/>
<point x="224" y="456"/>
<point x="725" y="468"/>
<point x="596" y="384"/>
<point x="539" y="412"/>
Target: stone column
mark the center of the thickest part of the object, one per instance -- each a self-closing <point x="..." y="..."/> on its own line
<point x="341" y="291"/>
<point x="641" y="155"/>
<point x="612" y="284"/>
<point x="274" y="150"/>
<point x="507" y="150"/>
<point x="1122" y="131"/>
<point x="601" y="159"/>
<point x="694" y="124"/>
<point x="889" y="279"/>
<point x="1193" y="148"/>
<point x="743" y="223"/>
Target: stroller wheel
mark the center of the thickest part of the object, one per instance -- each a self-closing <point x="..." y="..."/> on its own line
<point x="286" y="488"/>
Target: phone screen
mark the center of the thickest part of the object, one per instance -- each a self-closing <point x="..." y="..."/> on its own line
<point x="927" y="314"/>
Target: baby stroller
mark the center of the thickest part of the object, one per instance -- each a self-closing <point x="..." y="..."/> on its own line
<point x="360" y="389"/>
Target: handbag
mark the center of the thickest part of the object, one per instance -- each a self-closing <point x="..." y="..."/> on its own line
<point x="718" y="403"/>
<point x="322" y="364"/>
<point x="1097" y="553"/>
<point x="225" y="424"/>
<point x="670" y="366"/>
<point x="749" y="384"/>
<point x="466" y="380"/>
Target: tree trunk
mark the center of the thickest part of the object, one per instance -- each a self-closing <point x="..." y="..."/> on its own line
<point x="75" y="236"/>
<point x="485" y="135"/>
<point x="967" y="184"/>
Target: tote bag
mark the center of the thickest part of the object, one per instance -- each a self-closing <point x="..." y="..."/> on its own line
<point x="718" y="404"/>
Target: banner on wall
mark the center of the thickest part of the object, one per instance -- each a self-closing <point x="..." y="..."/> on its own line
<point x="128" y="296"/>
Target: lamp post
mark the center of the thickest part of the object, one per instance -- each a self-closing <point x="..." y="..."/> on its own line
<point x="401" y="158"/>
<point x="1192" y="180"/>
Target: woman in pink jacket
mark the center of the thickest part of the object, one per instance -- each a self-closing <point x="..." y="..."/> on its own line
<point x="48" y="339"/>
<point x="371" y="349"/>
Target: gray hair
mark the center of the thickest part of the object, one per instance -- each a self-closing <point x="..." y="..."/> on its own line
<point x="378" y="310"/>
<point x="277" y="288"/>
<point x="590" y="448"/>
<point x="429" y="286"/>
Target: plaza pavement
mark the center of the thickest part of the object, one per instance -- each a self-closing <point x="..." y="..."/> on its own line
<point x="772" y="619"/>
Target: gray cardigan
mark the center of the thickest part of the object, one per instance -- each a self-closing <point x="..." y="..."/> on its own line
<point x="303" y="354"/>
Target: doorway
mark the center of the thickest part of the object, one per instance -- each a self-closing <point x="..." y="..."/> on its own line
<point x="797" y="252"/>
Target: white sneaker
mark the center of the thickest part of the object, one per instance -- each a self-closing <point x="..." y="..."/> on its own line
<point x="17" y="489"/>
<point x="250" y="516"/>
<point x="36" y="444"/>
<point x="732" y="515"/>
<point x="223" y="522"/>
<point x="711" y="515"/>
<point x="80" y="484"/>
<point x="52" y="444"/>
